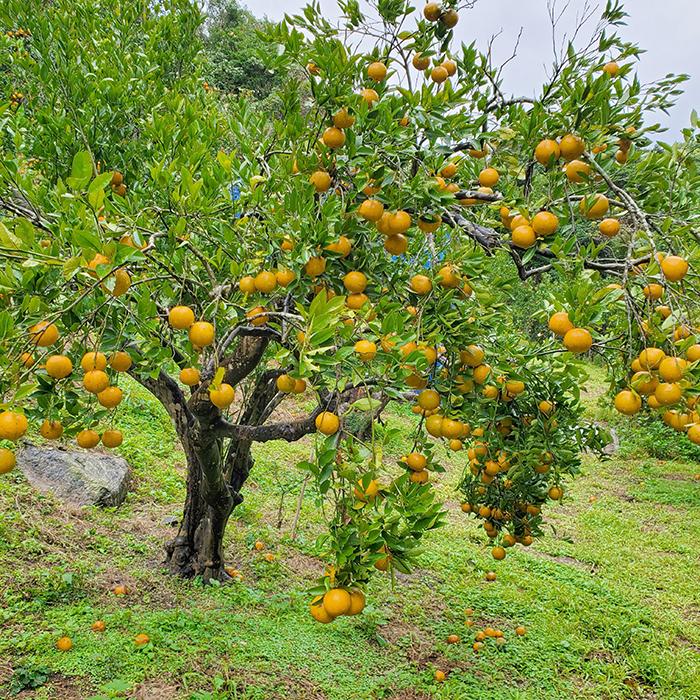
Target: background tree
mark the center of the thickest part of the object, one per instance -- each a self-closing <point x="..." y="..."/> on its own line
<point x="359" y="255"/>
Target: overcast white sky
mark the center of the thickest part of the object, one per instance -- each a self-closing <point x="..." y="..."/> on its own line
<point x="669" y="30"/>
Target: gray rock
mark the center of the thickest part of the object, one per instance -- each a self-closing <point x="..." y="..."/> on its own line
<point x="80" y="477"/>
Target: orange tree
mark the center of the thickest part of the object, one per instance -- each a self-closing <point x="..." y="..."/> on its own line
<point x="345" y="247"/>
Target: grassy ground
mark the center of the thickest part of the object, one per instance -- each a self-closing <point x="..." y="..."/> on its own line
<point x="610" y="598"/>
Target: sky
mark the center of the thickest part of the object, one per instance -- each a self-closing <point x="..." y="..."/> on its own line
<point x="668" y="30"/>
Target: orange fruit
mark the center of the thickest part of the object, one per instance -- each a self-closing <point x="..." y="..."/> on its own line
<point x="257" y="316"/>
<point x="488" y="177"/>
<point x="318" y="612"/>
<point x="58" y="366"/>
<point x="611" y="68"/>
<point x="651" y="358"/>
<point x="7" y="460"/>
<point x="87" y="439"/>
<point x="93" y="360"/>
<point x="51" y="429"/>
<point x="559" y="323"/>
<point x="342" y="246"/>
<point x="693" y="353"/>
<point x="181" y="317"/>
<point x="223" y="396"/>
<point x="449" y="18"/>
<point x="547" y="151"/>
<point x="284" y="277"/>
<point x="12" y="425"/>
<point x="472" y="356"/>
<point x="285" y="383"/>
<point x="95" y="381"/>
<point x="201" y="334"/>
<point x="420" y="62"/>
<point x="419" y="477"/>
<point x="399" y="222"/>
<point x="571" y="147"/>
<point x="578" y="340"/>
<point x="428" y="399"/>
<point x="315" y="266"/>
<point x="321" y="180"/>
<point x="357" y="602"/>
<point x="355" y="282"/>
<point x="343" y="119"/>
<point x="594" y="207"/>
<point x="141" y="640"/>
<point x="451" y="67"/>
<point x="120" y="361"/>
<point x="555" y="493"/>
<point x="246" y="285"/>
<point x="64" y="644"/>
<point x="628" y="402"/>
<point x="668" y="393"/>
<point x="327" y="423"/>
<point x="429" y="226"/>
<point x="98" y="626"/>
<point x="523" y="236"/>
<point x="43" y="334"/>
<point x="376" y="71"/>
<point x="448" y="278"/>
<point x="356" y="301"/>
<point x="671" y="369"/>
<point x="432" y="11"/>
<point x="366" y="350"/>
<point x="371" y="210"/>
<point x="265" y="281"/>
<point x="333" y="137"/>
<point x="189" y="376"/>
<point x="420" y="284"/>
<point x="439" y="74"/>
<point x="609" y="227"/>
<point x="520" y="631"/>
<point x="396" y="244"/>
<point x="337" y="602"/>
<point x="439" y="676"/>
<point x="577" y="171"/>
<point x="674" y="268"/>
<point x="498" y="553"/>
<point x="110" y="397"/>
<point x="653" y="291"/>
<point x="112" y="438"/>
<point x="545" y="223"/>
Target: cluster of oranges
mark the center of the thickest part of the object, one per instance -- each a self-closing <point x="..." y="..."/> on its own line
<point x="576" y="340"/>
<point x="435" y="12"/>
<point x="117" y="184"/>
<point x="335" y="603"/>
<point x="16" y="99"/>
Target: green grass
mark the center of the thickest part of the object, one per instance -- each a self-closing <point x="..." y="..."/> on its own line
<point x="609" y="597"/>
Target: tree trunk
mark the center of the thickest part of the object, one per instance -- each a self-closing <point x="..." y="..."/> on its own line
<point x="214" y="481"/>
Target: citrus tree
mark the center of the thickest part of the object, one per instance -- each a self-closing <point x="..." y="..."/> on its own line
<point x="272" y="275"/>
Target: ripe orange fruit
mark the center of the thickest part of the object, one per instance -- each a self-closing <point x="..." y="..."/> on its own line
<point x="668" y="393"/>
<point x="547" y="151"/>
<point x="472" y="356"/>
<point x="399" y="222"/>
<point x="43" y="334"/>
<point x="112" y="438"/>
<point x="321" y="180"/>
<point x="577" y="171"/>
<point x="416" y="461"/>
<point x="621" y="157"/>
<point x="693" y="353"/>
<point x="120" y="590"/>
<point x="27" y="359"/>
<point x="523" y="236"/>
<point x="694" y="434"/>
<point x="333" y="137"/>
<point x="559" y="323"/>
<point x="181" y="317"/>
<point x="95" y="381"/>
<point x="318" y="612"/>
<point x="7" y="460"/>
<point x="453" y="639"/>
<point x="327" y="423"/>
<point x="432" y="12"/>
<point x="433" y="424"/>
<point x="449" y="170"/>
<point x="110" y="397"/>
<point x="447" y="277"/>
<point x="628" y="402"/>
<point x="337" y="602"/>
<point x="356" y="301"/>
<point x="672" y="369"/>
<point x="370" y="96"/>
<point x="87" y="439"/>
<point x="653" y="291"/>
<point x="545" y="223"/>
<point x="58" y="366"/>
<point x="498" y="553"/>
<point x="449" y="18"/>
<point x="51" y="429"/>
<point x="315" y="266"/>
<point x="419" y="477"/>
<point x="481" y="373"/>
<point x="366" y="349"/>
<point x="420" y="62"/>
<point x="578" y="340"/>
<point x="357" y="602"/>
<point x="428" y="399"/>
<point x="98" y="626"/>
<point x="201" y="334"/>
<point x="430" y="226"/>
<point x="355" y="282"/>
<point x="12" y="425"/>
<point x="189" y="376"/>
<point x="299" y="386"/>
<point x="571" y="147"/>
<point x="64" y="644"/>
<point x="223" y="396"/>
<point x="93" y="360"/>
<point x="439" y="676"/>
<point x="285" y="383"/>
<point x="520" y="631"/>
<point x="488" y="177"/>
<point x="376" y="71"/>
<point x="594" y="207"/>
<point x="247" y="284"/>
<point x="120" y="361"/>
<point x="122" y="283"/>
<point x="396" y="244"/>
<point x="674" y="268"/>
<point x="451" y="67"/>
<point x="265" y="281"/>
<point x="490" y="576"/>
<point x="439" y="74"/>
<point x="141" y="640"/>
<point x="371" y="210"/>
<point x="651" y="358"/>
<point x="609" y="227"/>
<point x="420" y="284"/>
<point x="343" y="119"/>
<point x="611" y="68"/>
<point x="555" y="493"/>
<point x="342" y="246"/>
